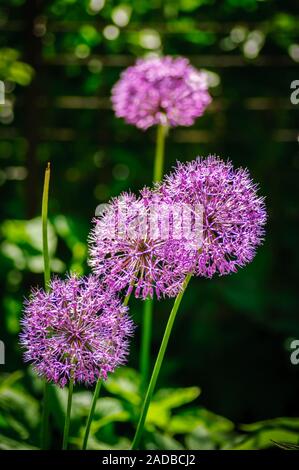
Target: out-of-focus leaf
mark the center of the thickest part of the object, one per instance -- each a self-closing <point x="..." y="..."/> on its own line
<point x="14" y="425"/>
<point x="110" y="410"/>
<point x="20" y="232"/>
<point x="286" y="445"/>
<point x="13" y="308"/>
<point x="125" y="383"/>
<point x="66" y="229"/>
<point x="81" y="404"/>
<point x="58" y="401"/>
<point x="95" y="444"/>
<point x="272" y="423"/>
<point x="10" y="379"/>
<point x="163" y="441"/>
<point x="200" y="439"/>
<point x="169" y="398"/>
<point x="266" y="438"/>
<point x="165" y="400"/>
<point x="213" y="422"/>
<point x="157" y="415"/>
<point x="108" y="406"/>
<point x="14" y="253"/>
<point x="11" y="444"/>
<point x="14" y="70"/>
<point x="21" y="403"/>
<point x="121" y="416"/>
<point x="182" y="424"/>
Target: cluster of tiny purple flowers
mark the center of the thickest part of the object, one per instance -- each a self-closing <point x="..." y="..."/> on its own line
<point x="167" y="91"/>
<point x="75" y="331"/>
<point x="234" y="215"/>
<point x="126" y="255"/>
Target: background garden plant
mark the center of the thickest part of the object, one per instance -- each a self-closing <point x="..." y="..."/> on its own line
<point x="250" y="120"/>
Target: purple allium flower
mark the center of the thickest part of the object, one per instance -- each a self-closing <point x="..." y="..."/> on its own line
<point x="233" y="215"/>
<point x="77" y="330"/>
<point x="166" y="90"/>
<point x="126" y="254"/>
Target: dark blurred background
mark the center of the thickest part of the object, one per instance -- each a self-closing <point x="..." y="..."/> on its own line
<point x="59" y="60"/>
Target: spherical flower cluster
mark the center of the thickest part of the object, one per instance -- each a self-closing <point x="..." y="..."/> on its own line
<point x="75" y="331"/>
<point x="233" y="215"/>
<point x="128" y="251"/>
<point x="166" y="90"/>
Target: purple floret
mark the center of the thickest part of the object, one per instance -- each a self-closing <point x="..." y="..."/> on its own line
<point x="166" y="90"/>
<point x="234" y="215"/>
<point x="126" y="255"/>
<point x="77" y="330"/>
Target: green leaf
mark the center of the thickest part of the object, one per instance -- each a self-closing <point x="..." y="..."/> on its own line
<point x="276" y="422"/>
<point x="19" y="403"/>
<point x="81" y="404"/>
<point x="169" y="398"/>
<point x="95" y="444"/>
<point x="157" y="416"/>
<point x="28" y="232"/>
<point x="14" y="70"/>
<point x="9" y="380"/>
<point x="264" y="439"/>
<point x="213" y="422"/>
<point x="163" y="442"/>
<point x="108" y="406"/>
<point x="7" y="443"/>
<point x="121" y="416"/>
<point x="125" y="383"/>
<point x="200" y="439"/>
<point x="182" y="424"/>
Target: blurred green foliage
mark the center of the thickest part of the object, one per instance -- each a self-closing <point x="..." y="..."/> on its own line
<point x="59" y="60"/>
<point x="172" y="422"/>
<point x="14" y="70"/>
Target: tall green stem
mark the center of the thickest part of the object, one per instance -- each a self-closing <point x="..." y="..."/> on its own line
<point x="45" y="198"/>
<point x="96" y="396"/>
<point x="147" y="316"/>
<point x="126" y="300"/>
<point x="45" y="227"/>
<point x="146" y="334"/>
<point x="91" y="413"/>
<point x="68" y="416"/>
<point x="159" y="156"/>
<point x="158" y="364"/>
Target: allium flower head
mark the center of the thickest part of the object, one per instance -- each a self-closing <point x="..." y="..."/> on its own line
<point x="127" y="254"/>
<point x="77" y="330"/>
<point x="166" y="90"/>
<point x="233" y="214"/>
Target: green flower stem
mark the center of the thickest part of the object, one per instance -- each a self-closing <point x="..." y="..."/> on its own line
<point x="96" y="396"/>
<point x="147" y="316"/>
<point x="45" y="198"/>
<point x="91" y="413"/>
<point x="126" y="300"/>
<point x="68" y="415"/>
<point x="159" y="157"/>
<point x="146" y="334"/>
<point x="45" y="227"/>
<point x="158" y="364"/>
